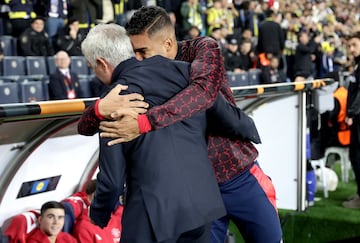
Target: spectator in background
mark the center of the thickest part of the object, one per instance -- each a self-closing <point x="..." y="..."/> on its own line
<point x="217" y="34"/>
<point x="271" y="36"/>
<point x="240" y="18"/>
<point x="215" y="17"/>
<point x="108" y="13"/>
<point x="69" y="38"/>
<point x="230" y="14"/>
<point x="192" y="33"/>
<point x="271" y="73"/>
<point x="34" y="41"/>
<point x="246" y="34"/>
<point x="51" y="221"/>
<point x="63" y="84"/>
<point x="251" y="20"/>
<point x="304" y="58"/>
<point x="291" y="27"/>
<point x="327" y="59"/>
<point x="56" y="13"/>
<point x="232" y="56"/>
<point x="248" y="57"/>
<point x="192" y="15"/>
<point x="21" y="15"/>
<point x="86" y="12"/>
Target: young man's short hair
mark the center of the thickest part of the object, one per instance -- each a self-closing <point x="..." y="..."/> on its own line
<point x="149" y="19"/>
<point x="49" y="205"/>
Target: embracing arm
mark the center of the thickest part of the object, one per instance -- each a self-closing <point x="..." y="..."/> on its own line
<point x="227" y="120"/>
<point x="92" y="116"/>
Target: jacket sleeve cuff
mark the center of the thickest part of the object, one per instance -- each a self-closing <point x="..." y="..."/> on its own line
<point x="97" y="112"/>
<point x="144" y="124"/>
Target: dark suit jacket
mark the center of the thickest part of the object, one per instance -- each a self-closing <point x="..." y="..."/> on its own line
<point x="168" y="169"/>
<point x="57" y="88"/>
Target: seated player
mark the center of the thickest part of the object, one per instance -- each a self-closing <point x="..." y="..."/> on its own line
<point x="51" y="222"/>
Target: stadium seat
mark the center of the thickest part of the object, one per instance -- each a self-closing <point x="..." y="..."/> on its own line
<point x="5" y="79"/>
<point x="79" y="65"/>
<point x="69" y="217"/>
<point x="85" y="87"/>
<point x="9" y="93"/>
<point x="254" y="76"/>
<point x="13" y="66"/>
<point x="343" y="154"/>
<point x="9" y="45"/>
<point x="238" y="79"/>
<point x="50" y="63"/>
<point x="31" y="91"/>
<point x="35" y="66"/>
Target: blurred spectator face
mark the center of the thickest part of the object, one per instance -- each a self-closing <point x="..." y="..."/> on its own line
<point x="304" y="38"/>
<point x="38" y="25"/>
<point x="216" y="34"/>
<point x="224" y="32"/>
<point x="74" y="26"/>
<point x="233" y="46"/>
<point x="245" y="47"/>
<point x="217" y="4"/>
<point x="274" y="62"/>
<point x="354" y="46"/>
<point x="253" y="4"/>
<point x="194" y="32"/>
<point x="247" y="34"/>
<point x="52" y="221"/>
<point x="62" y="60"/>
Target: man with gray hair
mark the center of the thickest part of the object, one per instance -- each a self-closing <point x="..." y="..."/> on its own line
<point x="172" y="194"/>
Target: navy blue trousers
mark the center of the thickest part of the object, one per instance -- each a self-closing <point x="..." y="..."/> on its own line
<point x="250" y="201"/>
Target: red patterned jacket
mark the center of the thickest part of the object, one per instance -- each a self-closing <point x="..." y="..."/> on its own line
<point x="228" y="157"/>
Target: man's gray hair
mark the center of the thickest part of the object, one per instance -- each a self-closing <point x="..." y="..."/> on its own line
<point x="107" y="41"/>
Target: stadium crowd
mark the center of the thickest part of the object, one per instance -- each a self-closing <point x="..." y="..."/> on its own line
<point x="285" y="40"/>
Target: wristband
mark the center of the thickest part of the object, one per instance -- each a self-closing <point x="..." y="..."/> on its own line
<point x="144" y="123"/>
<point x="97" y="112"/>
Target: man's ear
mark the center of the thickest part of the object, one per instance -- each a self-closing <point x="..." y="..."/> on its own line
<point x="100" y="62"/>
<point x="168" y="44"/>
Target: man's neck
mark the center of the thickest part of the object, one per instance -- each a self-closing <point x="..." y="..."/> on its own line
<point x="52" y="238"/>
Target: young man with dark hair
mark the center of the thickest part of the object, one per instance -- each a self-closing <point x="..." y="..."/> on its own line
<point x="248" y="194"/>
<point x="51" y="222"/>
